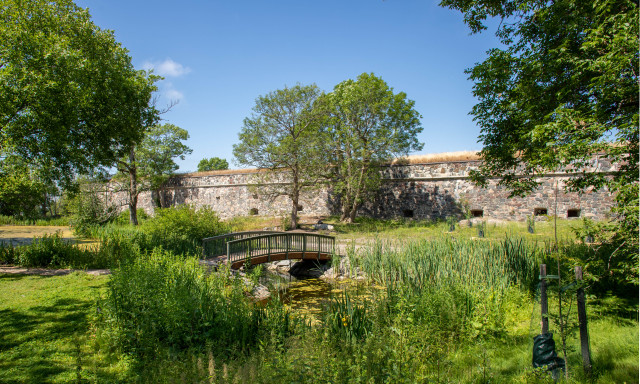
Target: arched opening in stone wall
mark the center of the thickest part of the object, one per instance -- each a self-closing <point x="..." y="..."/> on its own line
<point x="408" y="213"/>
<point x="300" y="208"/>
<point x="540" y="211"/>
<point x="573" y="213"/>
<point x="253" y="211"/>
<point x="477" y="213"/>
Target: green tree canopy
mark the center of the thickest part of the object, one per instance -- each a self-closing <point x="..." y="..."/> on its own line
<point x="22" y="192"/>
<point x="284" y="137"/>
<point x="212" y="164"/>
<point x="69" y="96"/>
<point x="368" y="125"/>
<point x="150" y="163"/>
<point x="563" y="89"/>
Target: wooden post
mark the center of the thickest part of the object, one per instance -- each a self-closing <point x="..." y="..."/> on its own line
<point x="544" y="306"/>
<point x="582" y="318"/>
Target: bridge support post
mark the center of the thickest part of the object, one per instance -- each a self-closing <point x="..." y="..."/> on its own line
<point x="304" y="246"/>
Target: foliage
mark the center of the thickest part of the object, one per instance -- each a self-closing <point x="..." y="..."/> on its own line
<point x="167" y="301"/>
<point x="70" y="99"/>
<point x="368" y="125"/>
<point x="482" y="229"/>
<point x="149" y="163"/>
<point x="181" y="229"/>
<point x="123" y="217"/>
<point x="53" y="251"/>
<point x="346" y="321"/>
<point x="425" y="323"/>
<point x="284" y="137"/>
<point x="451" y="223"/>
<point x="89" y="209"/>
<point x="43" y="222"/>
<point x="531" y="223"/>
<point x="22" y="193"/>
<point x="562" y="91"/>
<point x="212" y="164"/>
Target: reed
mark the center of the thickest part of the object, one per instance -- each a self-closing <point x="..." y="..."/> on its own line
<point x="448" y="260"/>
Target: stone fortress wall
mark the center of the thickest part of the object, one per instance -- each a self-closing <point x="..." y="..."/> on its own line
<point x="420" y="190"/>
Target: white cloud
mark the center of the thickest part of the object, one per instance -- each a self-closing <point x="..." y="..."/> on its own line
<point x="173" y="94"/>
<point x="166" y="68"/>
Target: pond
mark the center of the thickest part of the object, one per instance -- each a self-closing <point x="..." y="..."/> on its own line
<point x="308" y="295"/>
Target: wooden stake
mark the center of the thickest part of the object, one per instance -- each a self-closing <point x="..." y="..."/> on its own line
<point x="582" y="318"/>
<point x="544" y="306"/>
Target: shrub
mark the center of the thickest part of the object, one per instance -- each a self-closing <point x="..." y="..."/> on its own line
<point x="181" y="229"/>
<point x="89" y="210"/>
<point x="166" y="301"/>
<point x="52" y="251"/>
<point x="123" y="217"/>
<point x="7" y="253"/>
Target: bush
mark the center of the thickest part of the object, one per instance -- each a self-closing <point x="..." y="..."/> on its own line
<point x="89" y="210"/>
<point x="49" y="251"/>
<point x="7" y="253"/>
<point x="181" y="229"/>
<point x="53" y="251"/>
<point x="123" y="217"/>
<point x="165" y="301"/>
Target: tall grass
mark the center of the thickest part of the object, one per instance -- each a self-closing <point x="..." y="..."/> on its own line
<point x="448" y="260"/>
<point x="161" y="300"/>
<point x="42" y="222"/>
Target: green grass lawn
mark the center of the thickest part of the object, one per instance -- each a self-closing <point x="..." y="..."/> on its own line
<point x="45" y="325"/>
<point x="413" y="229"/>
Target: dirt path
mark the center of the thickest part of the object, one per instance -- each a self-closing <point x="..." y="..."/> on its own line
<point x="49" y="272"/>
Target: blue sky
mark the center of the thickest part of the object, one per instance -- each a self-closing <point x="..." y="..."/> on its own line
<point x="217" y="57"/>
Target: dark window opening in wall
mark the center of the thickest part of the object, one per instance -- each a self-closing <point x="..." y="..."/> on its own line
<point x="255" y="196"/>
<point x="253" y="211"/>
<point x="540" y="211"/>
<point x="407" y="213"/>
<point x="477" y="213"/>
<point x="573" y="213"/>
<point x="300" y="208"/>
<point x="217" y="197"/>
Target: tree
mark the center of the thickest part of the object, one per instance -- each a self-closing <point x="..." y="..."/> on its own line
<point x="369" y="125"/>
<point x="22" y="193"/>
<point x="70" y="98"/>
<point x="562" y="90"/>
<point x="212" y="164"/>
<point x="150" y="163"/>
<point x="284" y="137"/>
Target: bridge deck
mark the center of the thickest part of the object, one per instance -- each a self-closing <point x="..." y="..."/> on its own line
<point x="262" y="247"/>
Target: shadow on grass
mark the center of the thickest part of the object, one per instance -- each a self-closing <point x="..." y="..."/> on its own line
<point x="39" y="343"/>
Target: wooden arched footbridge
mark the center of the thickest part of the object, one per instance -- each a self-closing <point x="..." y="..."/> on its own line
<point x="259" y="247"/>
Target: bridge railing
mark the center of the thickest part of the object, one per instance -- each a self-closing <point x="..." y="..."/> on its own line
<point x="278" y="243"/>
<point x="217" y="245"/>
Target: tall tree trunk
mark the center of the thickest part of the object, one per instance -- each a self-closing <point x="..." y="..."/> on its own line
<point x="353" y="212"/>
<point x="295" y="198"/>
<point x="133" y="189"/>
<point x="294" y="210"/>
<point x="354" y="205"/>
<point x="345" y="208"/>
